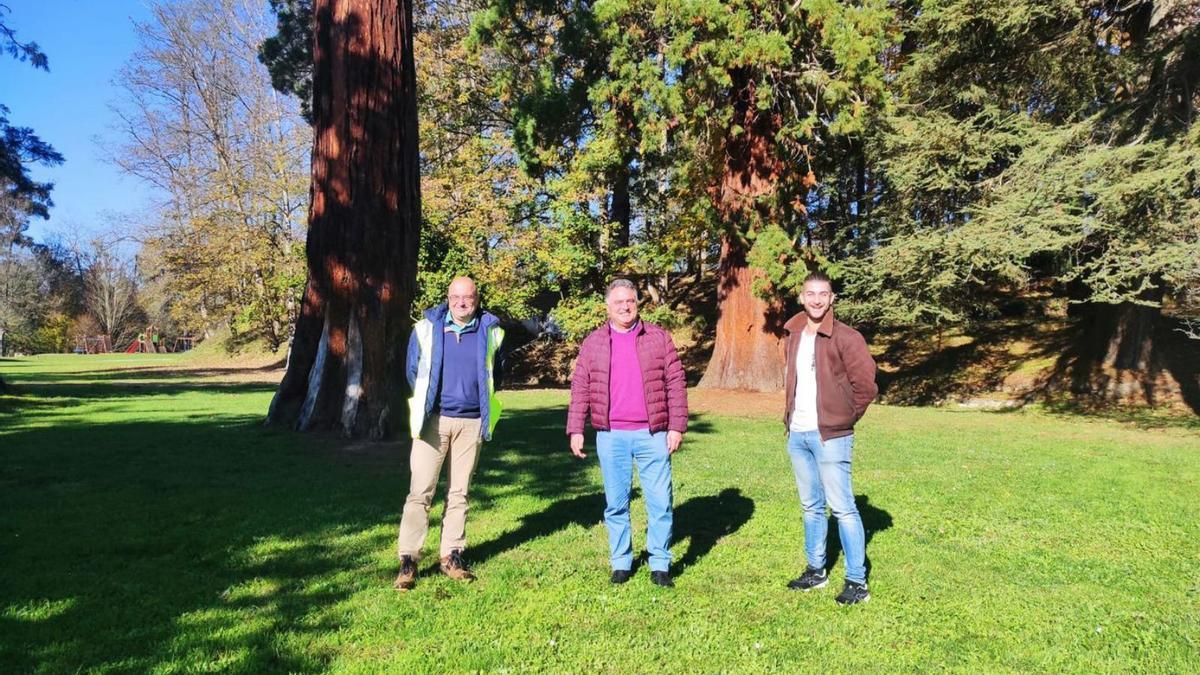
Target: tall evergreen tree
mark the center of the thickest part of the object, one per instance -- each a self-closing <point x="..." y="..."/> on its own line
<point x="1047" y="146"/>
<point x="21" y="197"/>
<point x="736" y="105"/>
<point x="20" y="146"/>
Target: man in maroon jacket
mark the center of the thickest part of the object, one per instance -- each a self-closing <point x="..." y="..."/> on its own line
<point x="629" y="378"/>
<point x="830" y="382"/>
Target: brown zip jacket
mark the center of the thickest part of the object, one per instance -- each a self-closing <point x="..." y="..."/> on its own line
<point x="845" y="375"/>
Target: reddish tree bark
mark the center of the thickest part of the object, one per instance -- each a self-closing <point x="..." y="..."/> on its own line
<point x="345" y="366"/>
<point x="748" y="350"/>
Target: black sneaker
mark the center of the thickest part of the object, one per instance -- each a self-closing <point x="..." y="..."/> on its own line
<point x="853" y="593"/>
<point x="621" y="576"/>
<point x="812" y="578"/>
<point x="662" y="579"/>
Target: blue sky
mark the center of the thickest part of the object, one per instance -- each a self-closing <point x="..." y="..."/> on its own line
<point x="86" y="41"/>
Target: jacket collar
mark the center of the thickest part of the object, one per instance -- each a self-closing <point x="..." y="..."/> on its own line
<point x="797" y="323"/>
<point x="438" y="314"/>
<point x="638" y="328"/>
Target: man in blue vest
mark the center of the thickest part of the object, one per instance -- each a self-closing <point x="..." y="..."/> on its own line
<point x="452" y="362"/>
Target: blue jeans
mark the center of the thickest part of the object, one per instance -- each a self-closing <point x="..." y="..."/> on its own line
<point x="823" y="476"/>
<point x="618" y="451"/>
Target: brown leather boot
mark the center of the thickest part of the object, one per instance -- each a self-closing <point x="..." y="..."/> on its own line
<point x="408" y="574"/>
<point x="454" y="567"/>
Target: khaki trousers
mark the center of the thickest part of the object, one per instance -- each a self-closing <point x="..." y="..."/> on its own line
<point x="460" y="439"/>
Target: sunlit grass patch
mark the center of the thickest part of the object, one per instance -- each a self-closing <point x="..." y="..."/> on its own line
<point x="163" y="529"/>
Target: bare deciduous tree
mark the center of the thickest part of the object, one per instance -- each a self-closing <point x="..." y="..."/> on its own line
<point x="111" y="296"/>
<point x="202" y="123"/>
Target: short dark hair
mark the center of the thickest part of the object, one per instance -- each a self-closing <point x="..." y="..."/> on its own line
<point x="818" y="275"/>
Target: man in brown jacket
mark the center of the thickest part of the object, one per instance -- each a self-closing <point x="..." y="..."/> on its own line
<point x="830" y="383"/>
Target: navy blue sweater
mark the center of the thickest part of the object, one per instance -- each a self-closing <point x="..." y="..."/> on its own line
<point x="459" y="396"/>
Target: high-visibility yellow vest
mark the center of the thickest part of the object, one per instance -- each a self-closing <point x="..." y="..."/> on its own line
<point x="420" y="396"/>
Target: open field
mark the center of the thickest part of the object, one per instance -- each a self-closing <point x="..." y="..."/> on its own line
<point x="148" y="522"/>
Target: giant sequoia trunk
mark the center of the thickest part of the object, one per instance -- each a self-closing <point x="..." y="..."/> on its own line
<point x="748" y="350"/>
<point x="346" y="361"/>
<point x="1128" y="354"/>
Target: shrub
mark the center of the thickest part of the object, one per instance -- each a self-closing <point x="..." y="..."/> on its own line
<point x="576" y="317"/>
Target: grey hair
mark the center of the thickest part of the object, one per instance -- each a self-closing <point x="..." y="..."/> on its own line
<point x="621" y="283"/>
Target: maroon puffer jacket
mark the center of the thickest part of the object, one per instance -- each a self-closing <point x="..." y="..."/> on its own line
<point x="662" y="377"/>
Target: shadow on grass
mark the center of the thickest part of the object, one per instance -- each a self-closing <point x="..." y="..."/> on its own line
<point x="584" y="510"/>
<point x="63" y="392"/>
<point x="14" y="404"/>
<point x="697" y="424"/>
<point x="151" y="372"/>
<point x="143" y="379"/>
<point x="188" y="543"/>
<point x="137" y="545"/>
<point x="207" y="539"/>
<point x="703" y="521"/>
<point x="41" y="398"/>
<point x="1139" y="417"/>
<point x="529" y="451"/>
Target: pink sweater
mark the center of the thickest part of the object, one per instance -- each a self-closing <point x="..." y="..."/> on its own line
<point x="627" y="407"/>
<point x="663" y="381"/>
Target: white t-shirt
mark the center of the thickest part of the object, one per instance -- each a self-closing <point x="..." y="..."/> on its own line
<point x="804" y="412"/>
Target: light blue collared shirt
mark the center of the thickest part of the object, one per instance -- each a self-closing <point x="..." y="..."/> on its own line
<point x="457" y="329"/>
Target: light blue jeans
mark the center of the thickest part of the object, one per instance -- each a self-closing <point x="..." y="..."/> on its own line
<point x="618" y="452"/>
<point x="823" y="477"/>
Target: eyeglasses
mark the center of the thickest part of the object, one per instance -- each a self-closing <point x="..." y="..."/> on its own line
<point x="456" y="298"/>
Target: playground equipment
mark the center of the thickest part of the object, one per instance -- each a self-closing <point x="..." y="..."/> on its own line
<point x="93" y="344"/>
<point x="154" y="344"/>
<point x="148" y="341"/>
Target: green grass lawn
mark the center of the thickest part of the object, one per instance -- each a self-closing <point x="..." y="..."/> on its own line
<point x="148" y="522"/>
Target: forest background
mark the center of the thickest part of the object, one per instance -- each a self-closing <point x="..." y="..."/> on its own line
<point x="1006" y="193"/>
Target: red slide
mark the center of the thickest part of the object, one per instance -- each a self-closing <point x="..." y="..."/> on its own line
<point x="133" y="347"/>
